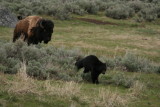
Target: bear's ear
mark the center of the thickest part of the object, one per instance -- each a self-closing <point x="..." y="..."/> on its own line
<point x="78" y="58"/>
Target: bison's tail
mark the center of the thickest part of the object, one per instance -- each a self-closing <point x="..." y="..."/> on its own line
<point x="19" y="17"/>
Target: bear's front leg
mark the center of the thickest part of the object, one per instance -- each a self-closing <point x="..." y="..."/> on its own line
<point x="85" y="70"/>
<point x="94" y="77"/>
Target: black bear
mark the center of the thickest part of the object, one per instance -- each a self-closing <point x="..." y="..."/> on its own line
<point x="92" y="64"/>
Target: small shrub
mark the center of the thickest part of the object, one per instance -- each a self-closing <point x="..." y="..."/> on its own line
<point x="136" y="5"/>
<point x="101" y="5"/>
<point x="149" y="13"/>
<point x="25" y="12"/>
<point x="131" y="62"/>
<point x="89" y="6"/>
<point x="62" y="13"/>
<point x="74" y="8"/>
<point x="121" y="79"/>
<point x="3" y="55"/>
<point x="119" y="11"/>
<point x="137" y="64"/>
<point x="35" y="69"/>
<point x="158" y="9"/>
<point x="12" y="65"/>
<point x="110" y="63"/>
<point x="33" y="53"/>
<point x="92" y="8"/>
<point x="38" y="10"/>
<point x="118" y="60"/>
<point x="86" y="77"/>
<point x="3" y="68"/>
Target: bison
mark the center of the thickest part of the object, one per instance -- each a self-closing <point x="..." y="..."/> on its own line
<point x="33" y="30"/>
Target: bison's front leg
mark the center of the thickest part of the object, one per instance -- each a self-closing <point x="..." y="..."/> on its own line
<point x="32" y="40"/>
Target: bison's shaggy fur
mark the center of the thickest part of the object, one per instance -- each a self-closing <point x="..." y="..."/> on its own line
<point x="34" y="30"/>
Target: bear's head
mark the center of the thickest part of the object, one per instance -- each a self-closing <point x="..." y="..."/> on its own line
<point x="102" y="68"/>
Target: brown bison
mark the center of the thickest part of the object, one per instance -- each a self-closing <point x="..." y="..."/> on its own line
<point x="33" y="30"/>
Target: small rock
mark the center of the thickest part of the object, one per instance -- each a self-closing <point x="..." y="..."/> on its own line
<point x="7" y="18"/>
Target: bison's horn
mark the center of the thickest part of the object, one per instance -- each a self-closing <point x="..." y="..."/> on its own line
<point x="41" y="25"/>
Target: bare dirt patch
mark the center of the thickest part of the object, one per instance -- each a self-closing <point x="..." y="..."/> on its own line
<point x="96" y="21"/>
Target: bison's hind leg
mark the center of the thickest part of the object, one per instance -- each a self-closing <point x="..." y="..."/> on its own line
<point x="16" y="36"/>
<point x="20" y="35"/>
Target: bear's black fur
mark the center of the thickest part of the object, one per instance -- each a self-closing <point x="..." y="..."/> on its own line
<point x="91" y="64"/>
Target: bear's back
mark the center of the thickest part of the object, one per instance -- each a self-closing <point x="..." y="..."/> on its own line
<point x="91" y="59"/>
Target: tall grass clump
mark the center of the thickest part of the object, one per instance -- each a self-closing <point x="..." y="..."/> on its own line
<point x="22" y="83"/>
<point x="107" y="98"/>
<point x="137" y="89"/>
<point x="68" y="90"/>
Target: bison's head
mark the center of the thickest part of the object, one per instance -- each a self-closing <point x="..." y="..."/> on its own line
<point x="46" y="30"/>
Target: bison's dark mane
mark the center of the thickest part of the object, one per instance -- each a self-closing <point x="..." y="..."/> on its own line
<point x="42" y="33"/>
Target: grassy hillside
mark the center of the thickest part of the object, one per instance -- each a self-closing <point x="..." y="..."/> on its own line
<point x="115" y="38"/>
<point x="117" y="87"/>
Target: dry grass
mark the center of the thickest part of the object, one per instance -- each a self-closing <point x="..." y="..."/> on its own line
<point x="137" y="89"/>
<point x="100" y="97"/>
<point x="107" y="98"/>
<point x="22" y="83"/>
<point x="66" y="89"/>
<point x="3" y="80"/>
